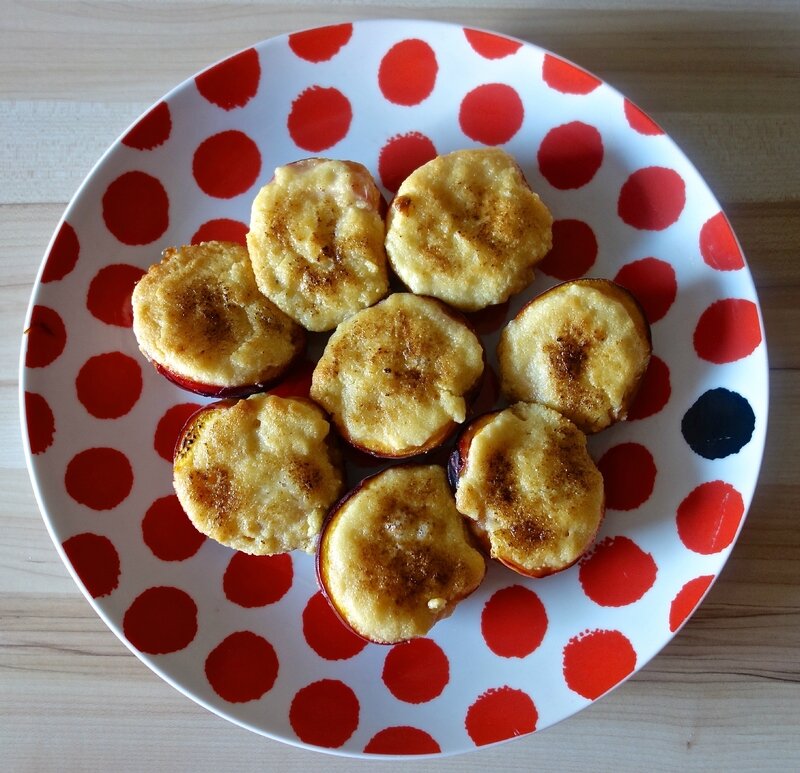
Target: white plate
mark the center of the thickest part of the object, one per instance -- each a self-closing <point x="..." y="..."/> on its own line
<point x="251" y="639"/>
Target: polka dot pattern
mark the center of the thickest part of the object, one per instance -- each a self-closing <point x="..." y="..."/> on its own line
<point x="109" y="294"/>
<point x="500" y="713"/>
<point x="324" y="713"/>
<point x="136" y="208"/>
<point x="491" y="113"/>
<point x="226" y="164"/>
<point x="570" y="155"/>
<point x="252" y="632"/>
<point x="233" y="82"/>
<point x="407" y="73"/>
<point x="255" y="581"/>
<point x="108" y="385"/>
<point x="63" y="254"/>
<point x="168" y="532"/>
<point x="328" y="636"/>
<point x="416" y="671"/>
<point x="242" y="667"/>
<point x="152" y="130"/>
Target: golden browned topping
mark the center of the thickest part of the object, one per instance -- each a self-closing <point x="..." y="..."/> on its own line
<point x="467" y="228"/>
<point x="258" y="475"/>
<point x="530" y="483"/>
<point x="316" y="241"/>
<point x="581" y="348"/>
<point x="396" y="557"/>
<point x="199" y="314"/>
<point x="395" y="375"/>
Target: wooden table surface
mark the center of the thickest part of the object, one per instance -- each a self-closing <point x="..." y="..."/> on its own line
<point x="724" y="80"/>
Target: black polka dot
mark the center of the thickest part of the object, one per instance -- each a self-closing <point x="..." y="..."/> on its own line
<point x="719" y="424"/>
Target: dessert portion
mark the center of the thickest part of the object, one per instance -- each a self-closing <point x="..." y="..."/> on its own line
<point x="199" y="317"/>
<point x="528" y="487"/>
<point x="467" y="228"/>
<point x="258" y="475"/>
<point x="581" y="348"/>
<point x="394" y="556"/>
<point x="397" y="378"/>
<point x="316" y="241"/>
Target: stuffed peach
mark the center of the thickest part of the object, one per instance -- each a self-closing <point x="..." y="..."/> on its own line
<point x="467" y="228"/>
<point x="528" y="488"/>
<point x="581" y="348"/>
<point x="397" y="378"/>
<point x="395" y="557"/>
<point x="316" y="241"/>
<point x="259" y="474"/>
<point x="199" y="317"/>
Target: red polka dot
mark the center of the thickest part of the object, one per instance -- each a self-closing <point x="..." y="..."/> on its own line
<point x="63" y="254"/>
<point x="319" y="118"/>
<point x="242" y="667"/>
<point x="402" y="739"/>
<point x="255" y="581"/>
<point x="639" y="120"/>
<point x="727" y="330"/>
<point x="322" y="43"/>
<point x="652" y="282"/>
<point x="95" y="561"/>
<point x="407" y="72"/>
<point x="169" y="428"/>
<point x="233" y="82"/>
<point x="109" y="385"/>
<point x="565" y="77"/>
<point x="168" y="532"/>
<point x="499" y="714"/>
<point x="298" y="382"/>
<point x="513" y="622"/>
<point x="617" y="572"/>
<point x="152" y="130"/>
<point x="686" y="601"/>
<point x="654" y="391"/>
<point x="161" y="620"/>
<point x="652" y="199"/>
<point x="491" y="46"/>
<point x="401" y="155"/>
<point x="99" y="478"/>
<point x="718" y="245"/>
<point x="326" y="634"/>
<point x="596" y="661"/>
<point x="491" y="113"/>
<point x="40" y="422"/>
<point x="574" y="250"/>
<point x="570" y="155"/>
<point x="324" y="713"/>
<point x="709" y="517"/>
<point x="226" y="164"/>
<point x="221" y="230"/>
<point x="416" y="671"/>
<point x="136" y="208"/>
<point x="47" y="337"/>
<point x="629" y="474"/>
<point x="109" y="296"/>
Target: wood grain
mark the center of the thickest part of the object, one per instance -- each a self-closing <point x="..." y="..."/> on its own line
<point x="723" y="78"/>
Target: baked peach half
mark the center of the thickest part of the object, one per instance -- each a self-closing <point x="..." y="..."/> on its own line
<point x="258" y="474"/>
<point x="394" y="555"/>
<point x="316" y="241"/>
<point x="199" y="317"/>
<point x="467" y="228"/>
<point x="582" y="348"/>
<point x="529" y="490"/>
<point x="397" y="378"/>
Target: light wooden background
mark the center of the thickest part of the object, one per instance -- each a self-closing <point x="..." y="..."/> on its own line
<point x="723" y="78"/>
